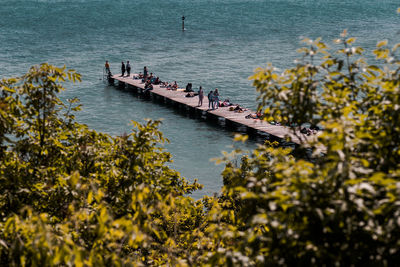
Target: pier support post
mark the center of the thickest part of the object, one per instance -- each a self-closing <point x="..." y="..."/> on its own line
<point x="211" y="117"/>
<point x="251" y="131"/>
<point x="121" y="84"/>
<point x="110" y="81"/>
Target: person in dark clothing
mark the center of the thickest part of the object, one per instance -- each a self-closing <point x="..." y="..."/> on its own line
<point x="174" y="86"/>
<point x="122" y="69"/>
<point x="157" y="81"/>
<point x="148" y="86"/>
<point x="145" y="72"/>
<point x="189" y="87"/>
<point x="128" y="69"/>
<point x="216" y="99"/>
<point x="211" y="100"/>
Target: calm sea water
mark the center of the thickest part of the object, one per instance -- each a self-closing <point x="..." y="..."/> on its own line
<point x="224" y="41"/>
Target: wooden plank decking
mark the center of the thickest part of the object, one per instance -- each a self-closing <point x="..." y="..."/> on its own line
<point x="222" y="112"/>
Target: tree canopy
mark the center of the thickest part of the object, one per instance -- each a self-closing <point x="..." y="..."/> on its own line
<point x="72" y="196"/>
<point x="342" y="206"/>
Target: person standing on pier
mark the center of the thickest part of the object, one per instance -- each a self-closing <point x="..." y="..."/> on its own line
<point x="107" y="67"/>
<point x="145" y="72"/>
<point x="128" y="69"/>
<point x="210" y="100"/>
<point x="201" y="96"/>
<point x="216" y="99"/>
<point x="122" y="69"/>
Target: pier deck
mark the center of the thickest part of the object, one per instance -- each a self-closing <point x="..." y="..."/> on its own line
<point x="221" y="112"/>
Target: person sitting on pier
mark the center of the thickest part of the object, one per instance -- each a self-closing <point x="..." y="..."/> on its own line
<point x="238" y="109"/>
<point x="139" y="76"/>
<point x="148" y="86"/>
<point x="157" y="81"/>
<point x="257" y="115"/>
<point x="146" y="78"/>
<point x="226" y="103"/>
<point x="188" y="88"/>
<point x="174" y="86"/>
<point x="165" y="85"/>
<point x="151" y="78"/>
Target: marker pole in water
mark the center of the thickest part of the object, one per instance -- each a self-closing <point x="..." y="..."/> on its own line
<point x="183" y="23"/>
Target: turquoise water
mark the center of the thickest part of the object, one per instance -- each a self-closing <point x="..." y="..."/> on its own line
<point x="223" y="43"/>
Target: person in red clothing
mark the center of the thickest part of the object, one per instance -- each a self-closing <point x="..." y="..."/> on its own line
<point x="107" y="67"/>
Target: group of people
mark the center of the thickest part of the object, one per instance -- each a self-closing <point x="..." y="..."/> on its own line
<point x="257" y="115"/>
<point x="149" y="80"/>
<point x="126" y="68"/>
<point x="213" y="99"/>
<point x="213" y="96"/>
<point x="170" y="86"/>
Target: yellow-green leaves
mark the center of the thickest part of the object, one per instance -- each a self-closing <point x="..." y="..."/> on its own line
<point x="382" y="43"/>
<point x="73" y="196"/>
<point x="350" y="40"/>
<point x="351" y="187"/>
<point x="242" y="138"/>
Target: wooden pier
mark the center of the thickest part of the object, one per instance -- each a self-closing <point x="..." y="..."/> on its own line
<point x="230" y="117"/>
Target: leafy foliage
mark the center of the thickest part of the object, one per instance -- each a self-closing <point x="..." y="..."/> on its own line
<point x="342" y="207"/>
<point x="72" y="196"/>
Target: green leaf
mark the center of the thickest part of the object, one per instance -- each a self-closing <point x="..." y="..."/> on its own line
<point x="382" y="43"/>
